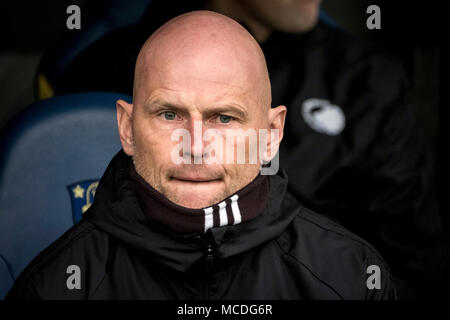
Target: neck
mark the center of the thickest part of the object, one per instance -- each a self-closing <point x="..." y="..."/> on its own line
<point x="236" y="10"/>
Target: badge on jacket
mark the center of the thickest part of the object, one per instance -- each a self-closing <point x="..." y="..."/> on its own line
<point x="323" y="116"/>
<point x="82" y="195"/>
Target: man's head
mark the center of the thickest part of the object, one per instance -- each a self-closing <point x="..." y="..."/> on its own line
<point x="264" y="16"/>
<point x="198" y="68"/>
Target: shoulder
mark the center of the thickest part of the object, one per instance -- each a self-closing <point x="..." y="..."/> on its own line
<point x="339" y="259"/>
<point x="80" y="249"/>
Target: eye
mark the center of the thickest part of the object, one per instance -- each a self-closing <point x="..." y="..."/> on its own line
<point x="169" y="115"/>
<point x="225" y="119"/>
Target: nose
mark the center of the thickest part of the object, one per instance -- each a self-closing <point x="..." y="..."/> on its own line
<point x="197" y="148"/>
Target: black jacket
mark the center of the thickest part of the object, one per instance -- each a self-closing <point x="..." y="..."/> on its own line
<point x="286" y="252"/>
<point x="370" y="171"/>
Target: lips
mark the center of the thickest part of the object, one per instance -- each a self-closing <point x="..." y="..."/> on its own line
<point x="190" y="174"/>
<point x="194" y="178"/>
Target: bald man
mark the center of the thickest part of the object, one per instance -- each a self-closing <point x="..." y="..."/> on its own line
<point x="175" y="218"/>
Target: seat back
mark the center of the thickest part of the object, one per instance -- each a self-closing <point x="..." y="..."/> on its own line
<point x="48" y="153"/>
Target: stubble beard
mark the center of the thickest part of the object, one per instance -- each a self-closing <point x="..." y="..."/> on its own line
<point x="237" y="181"/>
<point x="149" y="175"/>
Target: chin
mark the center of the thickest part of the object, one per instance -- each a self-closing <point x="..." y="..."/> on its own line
<point x="194" y="201"/>
<point x="197" y="195"/>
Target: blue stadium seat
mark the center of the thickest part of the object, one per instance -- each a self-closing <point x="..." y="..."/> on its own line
<point x="51" y="155"/>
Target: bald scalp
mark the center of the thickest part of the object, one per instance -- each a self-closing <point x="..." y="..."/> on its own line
<point x="204" y="42"/>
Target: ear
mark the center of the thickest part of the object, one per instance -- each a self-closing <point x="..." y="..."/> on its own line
<point x="124" y="122"/>
<point x="277" y="118"/>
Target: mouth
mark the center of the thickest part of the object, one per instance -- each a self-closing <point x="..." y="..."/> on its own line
<point x="195" y="179"/>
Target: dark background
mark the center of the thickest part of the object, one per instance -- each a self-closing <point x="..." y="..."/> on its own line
<point x="413" y="31"/>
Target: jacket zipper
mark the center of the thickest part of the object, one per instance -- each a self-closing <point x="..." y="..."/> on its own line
<point x="209" y="263"/>
<point x="209" y="259"/>
<point x="209" y="253"/>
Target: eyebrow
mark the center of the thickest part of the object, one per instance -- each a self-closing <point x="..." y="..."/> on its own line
<point x="160" y="105"/>
<point x="227" y="108"/>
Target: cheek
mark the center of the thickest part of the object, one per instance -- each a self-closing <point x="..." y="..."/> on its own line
<point x="239" y="175"/>
<point x="153" y="145"/>
<point x="245" y="149"/>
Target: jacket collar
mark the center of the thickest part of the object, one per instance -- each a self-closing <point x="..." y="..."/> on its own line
<point x="240" y="207"/>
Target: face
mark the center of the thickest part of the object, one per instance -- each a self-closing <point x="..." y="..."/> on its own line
<point x="195" y="93"/>
<point x="285" y="15"/>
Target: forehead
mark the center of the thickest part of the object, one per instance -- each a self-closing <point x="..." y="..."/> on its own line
<point x="202" y="77"/>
